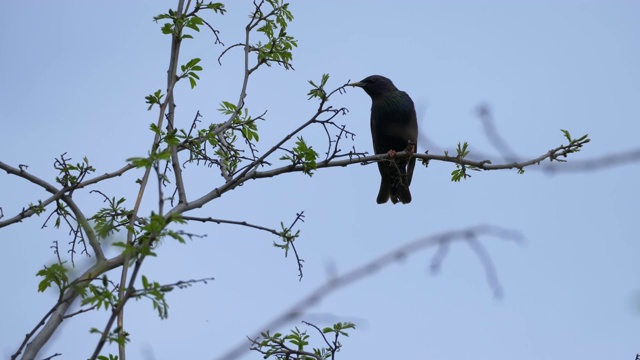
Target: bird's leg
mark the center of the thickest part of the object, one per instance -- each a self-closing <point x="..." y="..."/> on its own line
<point x="411" y="148"/>
<point x="392" y="154"/>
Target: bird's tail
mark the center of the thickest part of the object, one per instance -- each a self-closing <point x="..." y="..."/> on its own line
<point x="401" y="193"/>
<point x="384" y="192"/>
<point x="400" y="186"/>
<point x="397" y="191"/>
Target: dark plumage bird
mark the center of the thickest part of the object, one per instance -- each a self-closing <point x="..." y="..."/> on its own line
<point x="394" y="128"/>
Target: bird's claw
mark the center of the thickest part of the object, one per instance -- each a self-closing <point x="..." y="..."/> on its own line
<point x="411" y="148"/>
<point x="391" y="153"/>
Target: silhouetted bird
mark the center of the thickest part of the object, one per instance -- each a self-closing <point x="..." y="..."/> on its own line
<point x="394" y="127"/>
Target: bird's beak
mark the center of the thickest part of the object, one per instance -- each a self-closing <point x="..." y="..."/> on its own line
<point x="357" y="83"/>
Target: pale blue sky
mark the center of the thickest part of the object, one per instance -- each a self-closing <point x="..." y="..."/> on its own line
<point x="75" y="77"/>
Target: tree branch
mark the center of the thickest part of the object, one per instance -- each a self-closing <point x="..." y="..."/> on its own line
<point x="57" y="316"/>
<point x="57" y="195"/>
<point x="337" y="282"/>
<point x="285" y="234"/>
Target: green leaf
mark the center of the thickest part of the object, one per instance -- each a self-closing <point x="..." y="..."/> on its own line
<point x="154" y="99"/>
<point x="583" y="137"/>
<point x="303" y="155"/>
<point x="54" y="274"/>
<point x="463" y="150"/>
<point x="227" y="108"/>
<point x="456" y="175"/>
<point x="318" y="91"/>
<point x="167" y="29"/>
<point x="154" y="127"/>
<point x="325" y="78"/>
<point x="192" y="62"/>
<point x="216" y="7"/>
<point x="140" y="162"/>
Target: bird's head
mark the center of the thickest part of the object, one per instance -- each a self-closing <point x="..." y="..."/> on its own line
<point x="375" y="85"/>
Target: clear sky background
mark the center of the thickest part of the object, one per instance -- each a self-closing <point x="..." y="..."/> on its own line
<point x="74" y="79"/>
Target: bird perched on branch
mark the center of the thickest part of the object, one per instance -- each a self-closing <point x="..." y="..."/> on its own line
<point x="394" y="128"/>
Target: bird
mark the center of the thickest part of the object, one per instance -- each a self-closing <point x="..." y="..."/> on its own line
<point x="394" y="128"/>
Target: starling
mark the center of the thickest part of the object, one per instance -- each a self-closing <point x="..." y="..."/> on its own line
<point x="394" y="128"/>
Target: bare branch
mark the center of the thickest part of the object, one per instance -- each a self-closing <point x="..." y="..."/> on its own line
<point x="182" y="284"/>
<point x="285" y="234"/>
<point x="487" y="264"/>
<point x="321" y="333"/>
<point x="596" y="163"/>
<point x="488" y="124"/>
<point x="232" y="222"/>
<point x="226" y="50"/>
<point x="57" y="315"/>
<point x="553" y="155"/>
<point x="93" y="241"/>
<point x="215" y="32"/>
<point x="56" y="194"/>
<point x="372" y="267"/>
<point x="52" y="356"/>
<point x="33" y="331"/>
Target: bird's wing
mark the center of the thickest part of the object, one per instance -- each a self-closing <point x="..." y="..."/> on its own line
<point x="393" y="122"/>
<point x="406" y="118"/>
<point x="393" y="125"/>
<point x="411" y="133"/>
